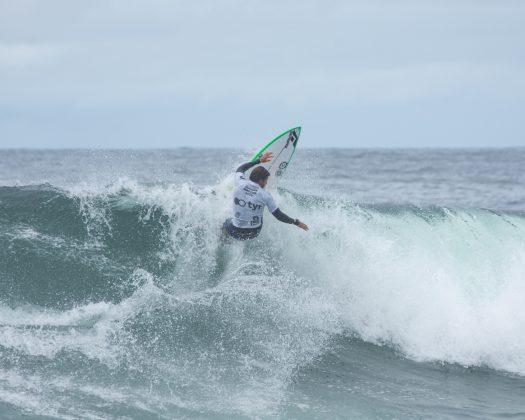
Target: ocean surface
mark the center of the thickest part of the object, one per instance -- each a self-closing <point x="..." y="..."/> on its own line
<point x="405" y="300"/>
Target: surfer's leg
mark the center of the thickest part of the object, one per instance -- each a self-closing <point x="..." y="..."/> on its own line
<point x="226" y="236"/>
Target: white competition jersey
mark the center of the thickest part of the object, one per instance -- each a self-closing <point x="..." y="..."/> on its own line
<point x="249" y="200"/>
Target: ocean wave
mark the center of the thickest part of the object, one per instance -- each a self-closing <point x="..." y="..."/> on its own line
<point x="135" y="278"/>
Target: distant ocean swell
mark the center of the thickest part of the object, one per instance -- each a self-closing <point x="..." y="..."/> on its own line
<point x="129" y="287"/>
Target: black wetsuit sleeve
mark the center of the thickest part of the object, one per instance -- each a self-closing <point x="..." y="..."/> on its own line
<point x="245" y="166"/>
<point x="279" y="215"/>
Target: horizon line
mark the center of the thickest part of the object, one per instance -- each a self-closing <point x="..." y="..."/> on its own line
<point x="2" y="148"/>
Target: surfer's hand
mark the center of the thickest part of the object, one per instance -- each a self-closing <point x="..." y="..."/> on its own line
<point x="303" y="226"/>
<point x="265" y="157"/>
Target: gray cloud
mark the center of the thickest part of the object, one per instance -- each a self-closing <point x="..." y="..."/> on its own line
<point x="307" y="62"/>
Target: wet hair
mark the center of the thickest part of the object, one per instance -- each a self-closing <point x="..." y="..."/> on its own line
<point x="259" y="174"/>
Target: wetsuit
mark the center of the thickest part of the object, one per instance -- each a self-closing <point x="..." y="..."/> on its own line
<point x="249" y="200"/>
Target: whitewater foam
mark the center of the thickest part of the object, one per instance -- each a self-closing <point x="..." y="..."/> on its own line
<point x="215" y="327"/>
<point x="436" y="284"/>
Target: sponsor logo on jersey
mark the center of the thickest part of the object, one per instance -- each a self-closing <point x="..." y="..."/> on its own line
<point x="242" y="203"/>
<point x="249" y="190"/>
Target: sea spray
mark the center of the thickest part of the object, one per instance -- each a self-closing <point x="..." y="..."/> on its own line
<point x="129" y="287"/>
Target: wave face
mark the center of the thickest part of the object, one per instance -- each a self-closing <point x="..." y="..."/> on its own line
<point x="124" y="300"/>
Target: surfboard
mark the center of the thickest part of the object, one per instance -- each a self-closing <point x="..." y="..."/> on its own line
<point x="283" y="147"/>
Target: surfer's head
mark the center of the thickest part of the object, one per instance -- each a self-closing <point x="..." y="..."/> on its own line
<point x="260" y="176"/>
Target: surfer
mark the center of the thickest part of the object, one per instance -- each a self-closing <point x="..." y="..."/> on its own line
<point x="249" y="200"/>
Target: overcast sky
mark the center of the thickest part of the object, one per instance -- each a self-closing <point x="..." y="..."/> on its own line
<point x="212" y="73"/>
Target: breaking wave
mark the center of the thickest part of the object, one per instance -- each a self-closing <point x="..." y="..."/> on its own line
<point x="130" y="287"/>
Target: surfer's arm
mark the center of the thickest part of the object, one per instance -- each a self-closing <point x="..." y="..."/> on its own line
<point x="265" y="157"/>
<point x="279" y="215"/>
<point x="245" y="166"/>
